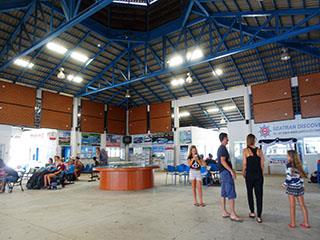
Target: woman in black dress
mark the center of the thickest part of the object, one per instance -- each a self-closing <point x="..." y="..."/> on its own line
<point x="252" y="171"/>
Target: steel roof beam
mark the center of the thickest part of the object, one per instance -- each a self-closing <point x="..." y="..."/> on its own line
<point x="237" y="108"/>
<point x="236" y="50"/>
<point x="97" y="6"/>
<point x="14" y="5"/>
<point x="17" y="30"/>
<point x="208" y="116"/>
<point x="65" y="58"/>
<point x="158" y="79"/>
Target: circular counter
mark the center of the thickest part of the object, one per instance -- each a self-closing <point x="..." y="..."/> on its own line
<point x="126" y="179"/>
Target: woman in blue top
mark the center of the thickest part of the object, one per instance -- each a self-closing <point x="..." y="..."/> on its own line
<point x="295" y="188"/>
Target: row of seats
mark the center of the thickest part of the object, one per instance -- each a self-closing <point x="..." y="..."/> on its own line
<point x="183" y="170"/>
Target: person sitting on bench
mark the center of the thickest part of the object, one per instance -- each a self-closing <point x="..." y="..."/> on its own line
<point x="10" y="175"/>
<point x="60" y="168"/>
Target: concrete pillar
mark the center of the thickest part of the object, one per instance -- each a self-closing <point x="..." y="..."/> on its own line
<point x="247" y="108"/>
<point x="75" y="133"/>
<point x="176" y="132"/>
<point x="127" y="133"/>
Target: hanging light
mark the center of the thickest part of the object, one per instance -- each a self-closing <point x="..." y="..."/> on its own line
<point x="284" y="54"/>
<point x="222" y="121"/>
<point x="127" y="94"/>
<point x="61" y="74"/>
<point x="189" y="78"/>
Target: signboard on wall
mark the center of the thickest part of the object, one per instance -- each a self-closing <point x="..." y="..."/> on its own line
<point x="162" y="138"/>
<point x="64" y="138"/>
<point x="185" y="136"/>
<point x="113" y="140"/>
<point x="298" y="128"/>
<point x="90" y="139"/>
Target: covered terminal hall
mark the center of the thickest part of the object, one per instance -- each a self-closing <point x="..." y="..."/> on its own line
<point x="160" y="119"/>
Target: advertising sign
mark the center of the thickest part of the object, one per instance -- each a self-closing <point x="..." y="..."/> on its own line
<point x="298" y="128"/>
<point x="185" y="136"/>
<point x="162" y="138"/>
<point x="90" y="139"/>
<point x="64" y="138"/>
<point x="113" y="140"/>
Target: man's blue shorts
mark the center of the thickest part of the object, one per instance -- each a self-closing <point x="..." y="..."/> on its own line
<point x="228" y="189"/>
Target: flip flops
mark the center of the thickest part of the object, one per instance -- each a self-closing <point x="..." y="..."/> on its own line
<point x="196" y="204"/>
<point x="259" y="220"/>
<point x="304" y="226"/>
<point x="236" y="220"/>
<point x="291" y="226"/>
<point x="252" y="215"/>
<point x="202" y="205"/>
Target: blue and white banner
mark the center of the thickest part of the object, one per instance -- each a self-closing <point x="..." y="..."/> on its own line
<point x="297" y="128"/>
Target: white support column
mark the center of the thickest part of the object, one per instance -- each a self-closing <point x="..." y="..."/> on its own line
<point x="247" y="108"/>
<point x="75" y="134"/>
<point x="103" y="136"/>
<point x="127" y="133"/>
<point x="176" y="132"/>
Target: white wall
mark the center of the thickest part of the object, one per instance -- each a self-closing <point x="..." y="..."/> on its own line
<point x="206" y="140"/>
<point x="237" y="132"/>
<point x="5" y="137"/>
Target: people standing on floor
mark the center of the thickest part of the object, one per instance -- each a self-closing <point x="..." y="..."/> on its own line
<point x="295" y="188"/>
<point x="195" y="177"/>
<point x="102" y="155"/>
<point x="252" y="171"/>
<point x="227" y="175"/>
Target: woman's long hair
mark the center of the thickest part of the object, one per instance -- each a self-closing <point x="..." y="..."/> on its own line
<point x="190" y="151"/>
<point x="251" y="140"/>
<point x="296" y="163"/>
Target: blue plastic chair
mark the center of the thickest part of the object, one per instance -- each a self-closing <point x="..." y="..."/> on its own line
<point x="171" y="170"/>
<point x="215" y="173"/>
<point x="181" y="170"/>
<point x="204" y="174"/>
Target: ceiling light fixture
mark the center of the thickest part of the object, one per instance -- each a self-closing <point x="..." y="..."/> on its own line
<point x="194" y="54"/>
<point x="182" y="114"/>
<point x="217" y="72"/>
<point x="177" y="82"/>
<point x="127" y="94"/>
<point x="284" y="54"/>
<point x="212" y="110"/>
<point x="175" y="60"/>
<point x="229" y="108"/>
<point x="61" y="74"/>
<point x="189" y="79"/>
<point x="79" y="57"/>
<point x="56" y="48"/>
<point x="222" y="121"/>
<point x="76" y="79"/>
<point x="23" y="63"/>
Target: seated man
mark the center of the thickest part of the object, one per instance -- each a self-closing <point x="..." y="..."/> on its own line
<point x="210" y="160"/>
<point x="60" y="168"/>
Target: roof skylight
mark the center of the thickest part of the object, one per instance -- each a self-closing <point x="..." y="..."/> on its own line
<point x="136" y="2"/>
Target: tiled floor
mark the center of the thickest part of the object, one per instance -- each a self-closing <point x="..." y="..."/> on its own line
<point x="82" y="211"/>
